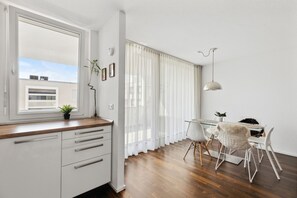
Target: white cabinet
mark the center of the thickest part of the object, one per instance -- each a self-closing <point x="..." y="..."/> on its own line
<point x="86" y="160"/>
<point x="30" y="167"/>
<point x="55" y="165"/>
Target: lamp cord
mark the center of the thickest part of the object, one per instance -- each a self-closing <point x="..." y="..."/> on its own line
<point x="213" y="63"/>
<point x="206" y="55"/>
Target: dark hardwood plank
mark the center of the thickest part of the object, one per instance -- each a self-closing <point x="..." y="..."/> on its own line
<point x="163" y="173"/>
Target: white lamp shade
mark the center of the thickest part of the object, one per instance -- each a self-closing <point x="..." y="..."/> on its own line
<point x="211" y="86"/>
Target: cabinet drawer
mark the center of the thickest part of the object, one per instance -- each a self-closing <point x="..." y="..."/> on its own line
<point x="85" y="132"/>
<point x="85" y="140"/>
<point x="82" y="152"/>
<point x="86" y="175"/>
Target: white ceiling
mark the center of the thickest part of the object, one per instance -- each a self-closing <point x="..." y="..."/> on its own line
<point x="182" y="27"/>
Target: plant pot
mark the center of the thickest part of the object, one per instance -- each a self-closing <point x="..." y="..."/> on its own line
<point x="66" y="116"/>
<point x="220" y="119"/>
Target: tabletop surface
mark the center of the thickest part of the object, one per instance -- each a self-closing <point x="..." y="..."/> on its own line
<point x="215" y="122"/>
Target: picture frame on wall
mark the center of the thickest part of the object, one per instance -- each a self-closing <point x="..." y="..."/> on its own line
<point x="103" y="74"/>
<point x="112" y="70"/>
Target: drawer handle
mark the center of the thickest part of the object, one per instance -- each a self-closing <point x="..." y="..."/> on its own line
<point x="36" y="139"/>
<point x="86" y="132"/>
<point x="87" y="164"/>
<point x="87" y="140"/>
<point x="87" y="148"/>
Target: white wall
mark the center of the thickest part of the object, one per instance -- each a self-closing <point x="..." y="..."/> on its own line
<point x="262" y="86"/>
<point x="111" y="91"/>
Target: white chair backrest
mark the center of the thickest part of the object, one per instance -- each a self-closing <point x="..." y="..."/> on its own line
<point x="268" y="136"/>
<point x="233" y="136"/>
<point x="195" y="131"/>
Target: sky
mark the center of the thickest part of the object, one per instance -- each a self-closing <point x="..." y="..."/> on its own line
<point x="54" y="71"/>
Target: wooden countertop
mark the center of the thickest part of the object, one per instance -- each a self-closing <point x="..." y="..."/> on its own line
<point x="19" y="130"/>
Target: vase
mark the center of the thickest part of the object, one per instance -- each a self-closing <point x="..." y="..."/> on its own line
<point x="66" y="116"/>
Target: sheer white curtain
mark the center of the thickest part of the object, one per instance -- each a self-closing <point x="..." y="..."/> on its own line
<point x="141" y="99"/>
<point x="176" y="97"/>
<point x="159" y="97"/>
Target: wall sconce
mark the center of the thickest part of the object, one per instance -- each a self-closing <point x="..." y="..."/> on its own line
<point x="110" y="51"/>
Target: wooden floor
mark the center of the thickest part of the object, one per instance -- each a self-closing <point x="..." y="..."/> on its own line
<point x="163" y="173"/>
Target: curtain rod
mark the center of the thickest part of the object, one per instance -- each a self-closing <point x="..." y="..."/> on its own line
<point x="160" y="52"/>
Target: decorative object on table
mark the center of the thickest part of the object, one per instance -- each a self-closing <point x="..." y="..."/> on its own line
<point x="95" y="68"/>
<point x="112" y="70"/>
<point x="221" y="116"/>
<point x="66" y="109"/>
<point x="256" y="133"/>
<point x="211" y="86"/>
<point x="103" y="74"/>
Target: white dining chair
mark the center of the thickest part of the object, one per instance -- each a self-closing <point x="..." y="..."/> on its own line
<point x="235" y="137"/>
<point x="211" y="133"/>
<point x="266" y="143"/>
<point x="195" y="133"/>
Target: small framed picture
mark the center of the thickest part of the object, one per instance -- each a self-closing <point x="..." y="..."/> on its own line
<point x="103" y="74"/>
<point x="112" y="70"/>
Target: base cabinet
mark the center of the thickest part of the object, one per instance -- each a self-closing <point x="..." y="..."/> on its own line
<point x="55" y="165"/>
<point x="86" y="160"/>
<point x="30" y="166"/>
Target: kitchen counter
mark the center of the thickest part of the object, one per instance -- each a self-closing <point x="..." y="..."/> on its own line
<point x="27" y="129"/>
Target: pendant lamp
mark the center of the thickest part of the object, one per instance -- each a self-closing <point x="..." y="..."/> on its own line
<point x="212" y="85"/>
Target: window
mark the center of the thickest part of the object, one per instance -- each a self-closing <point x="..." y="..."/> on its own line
<point x="46" y="66"/>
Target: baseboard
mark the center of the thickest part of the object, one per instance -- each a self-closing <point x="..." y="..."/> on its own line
<point x="287" y="153"/>
<point x="282" y="153"/>
<point x="117" y="190"/>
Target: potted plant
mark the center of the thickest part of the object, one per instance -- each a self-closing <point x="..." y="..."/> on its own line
<point x="66" y="109"/>
<point x="220" y="116"/>
<point x="94" y="67"/>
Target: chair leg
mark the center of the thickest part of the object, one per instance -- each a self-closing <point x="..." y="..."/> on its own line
<point x="249" y="159"/>
<point x="262" y="154"/>
<point x="210" y="139"/>
<point x="195" y="146"/>
<point x="205" y="146"/>
<point x="219" y="156"/>
<point x="188" y="150"/>
<point x="219" y="147"/>
<point x="245" y="158"/>
<point x="275" y="158"/>
<point x="258" y="154"/>
<point x="250" y="154"/>
<point x="200" y="154"/>
<point x="271" y="162"/>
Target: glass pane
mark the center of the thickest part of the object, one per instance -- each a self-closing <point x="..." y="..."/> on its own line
<point x="48" y="66"/>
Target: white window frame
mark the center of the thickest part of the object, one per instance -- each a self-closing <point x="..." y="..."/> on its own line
<point x="83" y="95"/>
